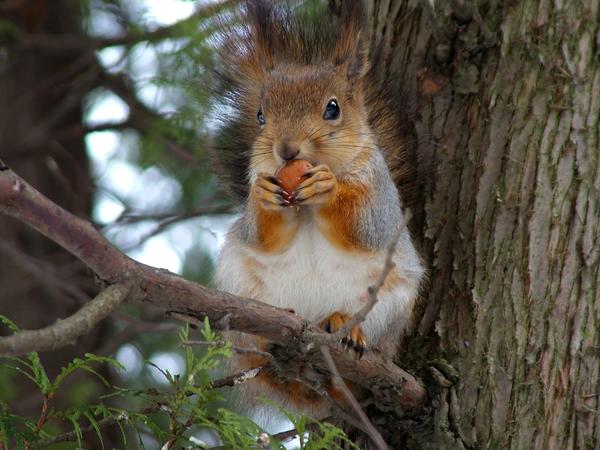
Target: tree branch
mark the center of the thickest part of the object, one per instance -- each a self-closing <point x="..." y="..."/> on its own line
<point x="237" y="378"/>
<point x="48" y="276"/>
<point x="60" y="44"/>
<point x="141" y="117"/>
<point x="183" y="215"/>
<point x="339" y="383"/>
<point x="241" y="350"/>
<point x="66" y="331"/>
<point x="389" y="384"/>
<point x="170" y="220"/>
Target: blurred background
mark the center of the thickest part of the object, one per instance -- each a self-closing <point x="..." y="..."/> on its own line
<point x="104" y="109"/>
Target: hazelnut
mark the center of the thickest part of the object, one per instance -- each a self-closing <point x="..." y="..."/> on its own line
<point x="291" y="173"/>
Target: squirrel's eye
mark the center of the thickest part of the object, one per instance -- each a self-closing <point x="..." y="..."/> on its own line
<point x="261" y="118"/>
<point x="332" y="110"/>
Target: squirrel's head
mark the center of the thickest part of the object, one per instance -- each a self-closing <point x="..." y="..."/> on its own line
<point x="310" y="112"/>
<point x="299" y="84"/>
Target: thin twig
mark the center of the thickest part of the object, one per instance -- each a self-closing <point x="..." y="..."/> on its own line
<point x="71" y="99"/>
<point x="42" y="420"/>
<point x="166" y="223"/>
<point x="133" y="329"/>
<point x="45" y="274"/>
<point x="373" y="290"/>
<point x="141" y="116"/>
<point x="70" y="43"/>
<point x="66" y="331"/>
<point x="339" y="383"/>
<point x="241" y="350"/>
<point x="338" y="411"/>
<point x="200" y="211"/>
<point x="194" y="322"/>
<point x="237" y="378"/>
<point x="80" y="130"/>
<point x="154" y="324"/>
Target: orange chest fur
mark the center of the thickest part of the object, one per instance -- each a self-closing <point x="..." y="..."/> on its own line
<point x="337" y="221"/>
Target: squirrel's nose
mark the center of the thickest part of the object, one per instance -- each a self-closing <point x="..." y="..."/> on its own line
<point x="287" y="151"/>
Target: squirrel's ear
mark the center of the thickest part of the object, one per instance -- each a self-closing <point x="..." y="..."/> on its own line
<point x="354" y="57"/>
<point x="352" y="46"/>
<point x="264" y="30"/>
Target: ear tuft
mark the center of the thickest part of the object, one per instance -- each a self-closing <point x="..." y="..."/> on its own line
<point x="264" y="28"/>
<point x="352" y="46"/>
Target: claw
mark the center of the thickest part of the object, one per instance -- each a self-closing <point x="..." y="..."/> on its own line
<point x="317" y="189"/>
<point x="274" y="180"/>
<point x="270" y="193"/>
<point x="360" y="350"/>
<point x="355" y="340"/>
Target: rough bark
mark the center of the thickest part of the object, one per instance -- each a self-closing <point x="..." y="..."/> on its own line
<point x="506" y="100"/>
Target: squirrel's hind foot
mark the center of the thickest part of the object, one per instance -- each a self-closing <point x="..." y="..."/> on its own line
<point x="356" y="339"/>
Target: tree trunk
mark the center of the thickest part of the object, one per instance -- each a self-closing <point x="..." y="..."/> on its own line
<point x="506" y="102"/>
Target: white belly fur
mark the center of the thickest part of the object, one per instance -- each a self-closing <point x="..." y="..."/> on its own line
<point x="315" y="279"/>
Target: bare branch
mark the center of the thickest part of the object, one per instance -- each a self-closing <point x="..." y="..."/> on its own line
<point x="66" y="331"/>
<point x="171" y="219"/>
<point x="44" y="274"/>
<point x="238" y="378"/>
<point x="141" y="117"/>
<point x="183" y="215"/>
<point x="373" y="291"/>
<point x="134" y="328"/>
<point x="70" y="99"/>
<point x="390" y="384"/>
<point x="338" y="382"/>
<point x="242" y="350"/>
<point x="80" y="130"/>
<point x="65" y="43"/>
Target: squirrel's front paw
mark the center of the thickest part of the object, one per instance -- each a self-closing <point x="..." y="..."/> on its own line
<point x="319" y="188"/>
<point x="355" y="340"/>
<point x="269" y="194"/>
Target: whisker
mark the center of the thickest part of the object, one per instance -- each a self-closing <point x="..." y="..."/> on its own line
<point x="344" y="135"/>
<point x="311" y="135"/>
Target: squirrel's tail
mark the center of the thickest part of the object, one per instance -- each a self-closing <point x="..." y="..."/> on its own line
<point x="390" y="119"/>
<point x="273" y="32"/>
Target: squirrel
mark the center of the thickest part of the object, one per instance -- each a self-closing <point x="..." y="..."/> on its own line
<point x="301" y="86"/>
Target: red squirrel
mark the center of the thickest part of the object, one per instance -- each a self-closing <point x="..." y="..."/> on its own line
<point x="303" y="89"/>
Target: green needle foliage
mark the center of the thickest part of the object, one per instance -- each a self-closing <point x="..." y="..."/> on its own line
<point x="173" y="415"/>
